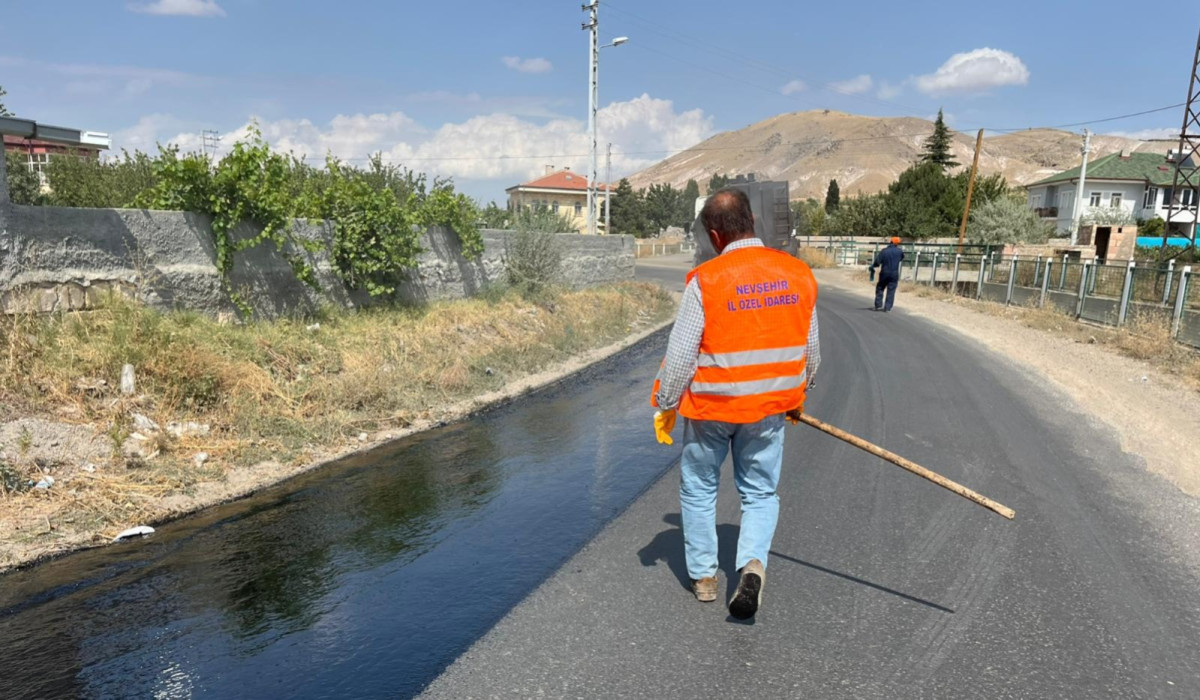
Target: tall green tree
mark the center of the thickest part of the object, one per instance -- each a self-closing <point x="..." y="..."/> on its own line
<point x="716" y="182"/>
<point x="687" y="204"/>
<point x="833" y="197"/>
<point x="924" y="203"/>
<point x="864" y="215"/>
<point x="628" y="214"/>
<point x="662" y="204"/>
<point x="938" y="145"/>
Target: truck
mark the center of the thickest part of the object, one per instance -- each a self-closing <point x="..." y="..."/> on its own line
<point x="772" y="216"/>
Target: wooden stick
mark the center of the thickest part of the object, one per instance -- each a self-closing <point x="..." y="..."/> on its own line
<point x="910" y="466"/>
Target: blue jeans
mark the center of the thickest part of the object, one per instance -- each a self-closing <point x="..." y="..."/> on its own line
<point x="889" y="284"/>
<point x="757" y="456"/>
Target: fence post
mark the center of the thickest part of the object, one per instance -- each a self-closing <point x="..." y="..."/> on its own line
<point x="954" y="277"/>
<point x="1125" y="291"/>
<point x="1083" y="281"/>
<point x="916" y="266"/>
<point x="933" y="277"/>
<point x="1046" y="280"/>
<point x="1170" y="279"/>
<point x="1037" y="268"/>
<point x="1062" y="280"/>
<point x="1012" y="278"/>
<point x="1180" y="296"/>
<point x="982" y="272"/>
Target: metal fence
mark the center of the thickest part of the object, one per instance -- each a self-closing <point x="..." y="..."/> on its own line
<point x="1109" y="294"/>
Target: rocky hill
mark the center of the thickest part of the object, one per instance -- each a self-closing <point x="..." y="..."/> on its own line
<point x="865" y="154"/>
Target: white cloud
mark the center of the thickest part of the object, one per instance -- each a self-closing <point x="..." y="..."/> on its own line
<point x="792" y="87"/>
<point x="975" y="71"/>
<point x="853" y="86"/>
<point x="643" y="131"/>
<point x="887" y="91"/>
<point x="1165" y="132"/>
<point x="527" y="65"/>
<point x="182" y="8"/>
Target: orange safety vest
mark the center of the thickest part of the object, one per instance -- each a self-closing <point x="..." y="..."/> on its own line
<point x="758" y="304"/>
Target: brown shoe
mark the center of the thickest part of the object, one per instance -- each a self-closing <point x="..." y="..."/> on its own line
<point x="749" y="591"/>
<point x="705" y="589"/>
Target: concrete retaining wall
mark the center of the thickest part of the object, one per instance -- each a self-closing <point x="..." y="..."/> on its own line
<point x="57" y="258"/>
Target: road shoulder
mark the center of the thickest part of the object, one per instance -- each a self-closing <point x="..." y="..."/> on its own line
<point x="1152" y="416"/>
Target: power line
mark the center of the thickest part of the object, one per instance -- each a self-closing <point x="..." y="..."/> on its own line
<point x="1094" y="121"/>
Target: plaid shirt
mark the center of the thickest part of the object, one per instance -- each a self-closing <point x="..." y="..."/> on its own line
<point x="684" y="346"/>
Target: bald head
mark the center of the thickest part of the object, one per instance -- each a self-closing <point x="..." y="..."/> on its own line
<point x="727" y="218"/>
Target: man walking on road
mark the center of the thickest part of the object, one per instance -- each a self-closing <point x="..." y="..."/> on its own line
<point x="888" y="262"/>
<point x="742" y="354"/>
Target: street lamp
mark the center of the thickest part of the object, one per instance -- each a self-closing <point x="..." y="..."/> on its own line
<point x="593" y="26"/>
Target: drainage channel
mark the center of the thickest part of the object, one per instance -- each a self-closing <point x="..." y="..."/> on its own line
<point x="365" y="578"/>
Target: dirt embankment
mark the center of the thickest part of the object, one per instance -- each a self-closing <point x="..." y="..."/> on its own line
<point x="1152" y="405"/>
<point x="217" y="411"/>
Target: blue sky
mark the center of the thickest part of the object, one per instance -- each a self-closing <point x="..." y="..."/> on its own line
<point x="491" y="92"/>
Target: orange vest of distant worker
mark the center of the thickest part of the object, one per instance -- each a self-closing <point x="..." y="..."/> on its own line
<point x="758" y="304"/>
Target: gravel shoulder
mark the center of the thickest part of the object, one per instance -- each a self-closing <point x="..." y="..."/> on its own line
<point x="1148" y="411"/>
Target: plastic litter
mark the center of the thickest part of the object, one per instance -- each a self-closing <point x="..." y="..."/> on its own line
<point x="139" y="531"/>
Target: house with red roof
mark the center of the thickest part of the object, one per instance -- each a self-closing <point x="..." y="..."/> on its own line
<point x="560" y="191"/>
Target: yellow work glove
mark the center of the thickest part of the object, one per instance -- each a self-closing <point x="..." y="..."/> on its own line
<point x="793" y="416"/>
<point x="664" y="423"/>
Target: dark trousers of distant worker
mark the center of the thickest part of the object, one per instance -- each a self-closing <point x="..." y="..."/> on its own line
<point x="888" y="283"/>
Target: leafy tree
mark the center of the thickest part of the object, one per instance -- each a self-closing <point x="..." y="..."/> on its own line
<point x="865" y="215"/>
<point x="809" y="218"/>
<point x="1007" y="220"/>
<point x="79" y="180"/>
<point x="1108" y="216"/>
<point x="938" y="145"/>
<point x="832" y="197"/>
<point x="628" y="211"/>
<point x="924" y="203"/>
<point x="492" y="216"/>
<point x="3" y="109"/>
<point x="24" y="187"/>
<point x="540" y="220"/>
<point x="716" y="182"/>
<point x="1153" y="227"/>
<point x="687" y="205"/>
<point x="662" y="206"/>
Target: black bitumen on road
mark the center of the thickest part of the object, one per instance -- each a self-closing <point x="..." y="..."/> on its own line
<point x="879" y="583"/>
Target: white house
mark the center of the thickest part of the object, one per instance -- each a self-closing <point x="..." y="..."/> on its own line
<point x="1137" y="183"/>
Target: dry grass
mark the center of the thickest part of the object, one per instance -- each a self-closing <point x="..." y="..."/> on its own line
<point x="277" y="389"/>
<point x="817" y="258"/>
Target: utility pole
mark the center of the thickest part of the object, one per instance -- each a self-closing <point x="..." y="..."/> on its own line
<point x="1087" y="148"/>
<point x="962" y="229"/>
<point x="1187" y="169"/>
<point x="593" y="26"/>
<point x="209" y="138"/>
<point x="607" y="189"/>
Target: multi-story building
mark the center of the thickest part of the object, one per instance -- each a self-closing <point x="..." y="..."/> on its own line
<point x="35" y="153"/>
<point x="560" y="191"/>
<point x="1138" y="184"/>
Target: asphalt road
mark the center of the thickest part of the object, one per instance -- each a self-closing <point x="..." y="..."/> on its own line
<point x="881" y="585"/>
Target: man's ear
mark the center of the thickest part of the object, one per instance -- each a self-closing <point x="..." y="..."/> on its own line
<point x="715" y="239"/>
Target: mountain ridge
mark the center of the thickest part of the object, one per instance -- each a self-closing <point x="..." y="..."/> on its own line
<point x="865" y="154"/>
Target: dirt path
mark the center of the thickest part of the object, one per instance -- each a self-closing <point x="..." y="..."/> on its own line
<point x="1149" y="411"/>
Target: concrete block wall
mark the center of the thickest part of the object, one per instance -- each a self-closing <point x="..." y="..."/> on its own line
<point x="57" y="258"/>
